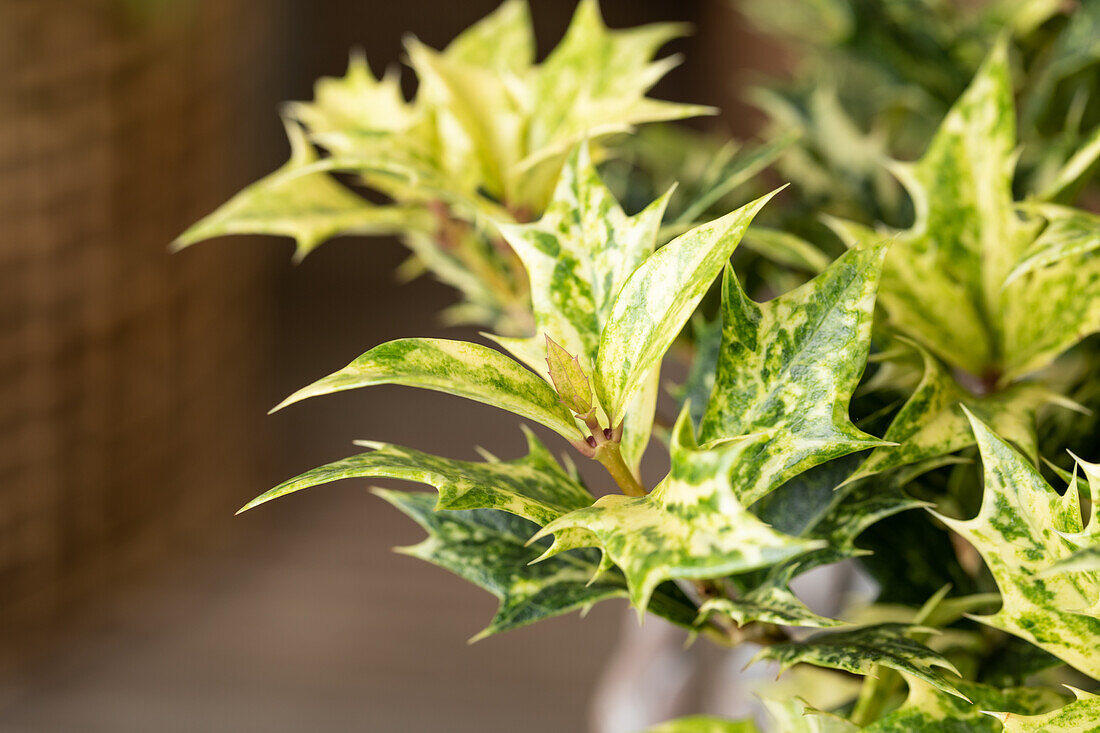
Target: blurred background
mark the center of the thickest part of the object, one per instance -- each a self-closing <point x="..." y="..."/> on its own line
<point x="134" y="386"/>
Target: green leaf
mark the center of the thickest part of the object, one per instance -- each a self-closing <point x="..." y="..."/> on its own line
<point x="811" y="506"/>
<point x="455" y="367"/>
<point x="568" y="378"/>
<point x="789" y="367"/>
<point x="1018" y="534"/>
<point x="705" y="724"/>
<point x="691" y="526"/>
<point x="1080" y="716"/>
<point x="309" y="207"/>
<point x="489" y="548"/>
<point x="927" y="710"/>
<point x="656" y="301"/>
<point x="577" y="256"/>
<point x="594" y="83"/>
<point x="1075" y="171"/>
<point x="859" y="650"/>
<point x="1052" y="296"/>
<point x="786" y="249"/>
<point x="943" y="278"/>
<point x="931" y="423"/>
<point x="795" y="715"/>
<point x="533" y="487"/>
<point x="503" y="40"/>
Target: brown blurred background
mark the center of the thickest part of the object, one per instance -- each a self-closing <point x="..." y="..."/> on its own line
<point x="134" y="386"/>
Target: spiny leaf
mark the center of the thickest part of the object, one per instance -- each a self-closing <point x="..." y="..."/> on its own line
<point x="859" y="650"/>
<point x="656" y="301"/>
<point x="533" y="487"/>
<point x="467" y="370"/>
<point x="577" y="256"/>
<point x="1080" y="716"/>
<point x="1017" y="533"/>
<point x="931" y="424"/>
<point x="309" y="207"/>
<point x="1054" y="299"/>
<point x="692" y="525"/>
<point x="789" y="366"/>
<point x="927" y="710"/>
<point x="705" y="724"/>
<point x="489" y="548"/>
<point x="942" y="281"/>
<point x="568" y="378"/>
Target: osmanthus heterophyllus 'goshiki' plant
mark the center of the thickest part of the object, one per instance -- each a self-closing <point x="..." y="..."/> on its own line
<point x="482" y="140"/>
<point x="770" y="476"/>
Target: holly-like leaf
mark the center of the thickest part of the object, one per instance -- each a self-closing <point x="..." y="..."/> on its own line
<point x="705" y="724"/>
<point x="859" y="650"/>
<point x="533" y="487"/>
<point x="568" y="378"/>
<point x="931" y="423"/>
<point x="489" y="548"/>
<point x="308" y="206"/>
<point x="455" y="367"/>
<point x="1018" y="534"/>
<point x="811" y="506"/>
<point x="789" y="366"/>
<point x="1080" y="716"/>
<point x="927" y="710"/>
<point x="691" y="526"/>
<point x="1052" y="297"/>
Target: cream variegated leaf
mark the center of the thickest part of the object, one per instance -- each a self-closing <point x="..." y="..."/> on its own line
<point x="943" y="277"/>
<point x="656" y="302"/>
<point x="577" y="257"/>
<point x="1079" y="716"/>
<point x="858" y="651"/>
<point x="691" y="526"/>
<point x="932" y="424"/>
<point x="795" y="715"/>
<point x="307" y="205"/>
<point x="1019" y="533"/>
<point x="490" y="549"/>
<point x="533" y="487"/>
<point x="1052" y="296"/>
<point x="811" y="506"/>
<point x="928" y="710"/>
<point x="789" y="367"/>
<point x="455" y="367"/>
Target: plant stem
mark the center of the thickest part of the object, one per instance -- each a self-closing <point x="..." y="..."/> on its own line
<point x="608" y="454"/>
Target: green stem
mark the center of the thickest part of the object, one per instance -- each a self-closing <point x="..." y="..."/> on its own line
<point x="608" y="454"/>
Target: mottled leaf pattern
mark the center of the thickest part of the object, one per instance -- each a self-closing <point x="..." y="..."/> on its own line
<point x="455" y="367"/>
<point x="308" y="206"/>
<point x="789" y="367"/>
<point x="927" y="710"/>
<point x="533" y="487"/>
<point x="859" y="650"/>
<point x="657" y="300"/>
<point x="489" y="548"/>
<point x="691" y="526"/>
<point x="1017" y="533"/>
<point x="1080" y="716"/>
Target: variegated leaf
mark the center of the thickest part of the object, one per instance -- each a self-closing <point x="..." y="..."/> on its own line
<point x="577" y="256"/>
<point x="931" y="423"/>
<point x="859" y="650"/>
<point x="467" y="370"/>
<point x="691" y="526"/>
<point x="533" y="487"/>
<point x="789" y="367"/>
<point x="927" y="710"/>
<point x="943" y="277"/>
<point x="705" y="724"/>
<point x="795" y="715"/>
<point x="1052" y="299"/>
<point x="811" y="506"/>
<point x="657" y="300"/>
<point x="308" y="206"/>
<point x="489" y="548"/>
<point x="1080" y="716"/>
<point x="1018" y="534"/>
